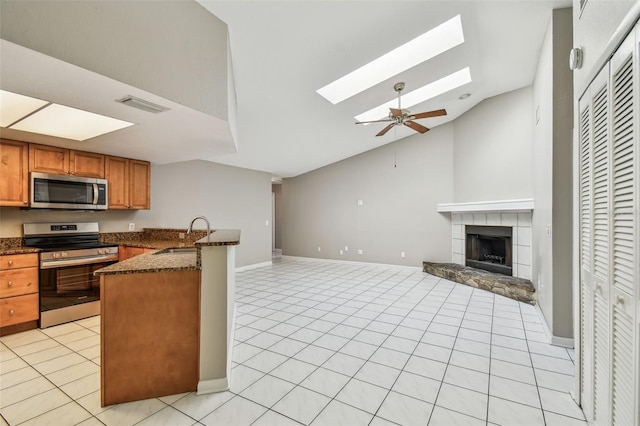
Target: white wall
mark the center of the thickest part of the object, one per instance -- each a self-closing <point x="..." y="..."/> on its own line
<point x="492" y="149"/>
<point x="484" y="155"/>
<point x="598" y="28"/>
<point x="230" y="198"/>
<point x="553" y="165"/>
<point x="133" y="42"/>
<point x="400" y="185"/>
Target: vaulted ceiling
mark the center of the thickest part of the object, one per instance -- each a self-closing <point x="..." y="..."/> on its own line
<point x="283" y="51"/>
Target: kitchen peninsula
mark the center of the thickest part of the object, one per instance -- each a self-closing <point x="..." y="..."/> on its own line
<point x="167" y="320"/>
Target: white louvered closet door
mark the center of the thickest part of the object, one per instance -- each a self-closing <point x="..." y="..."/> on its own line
<point x="586" y="287"/>
<point x="600" y="204"/>
<point x="624" y="82"/>
<point x="609" y="182"/>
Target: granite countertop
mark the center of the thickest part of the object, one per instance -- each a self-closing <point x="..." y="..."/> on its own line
<point x="18" y="250"/>
<point x="169" y="262"/>
<point x="153" y="262"/>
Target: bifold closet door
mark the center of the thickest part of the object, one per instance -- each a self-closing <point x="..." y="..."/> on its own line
<point x="609" y="240"/>
<point x="624" y="233"/>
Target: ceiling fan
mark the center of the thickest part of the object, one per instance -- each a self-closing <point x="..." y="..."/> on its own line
<point x="398" y="116"/>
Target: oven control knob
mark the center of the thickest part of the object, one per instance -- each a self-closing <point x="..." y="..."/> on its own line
<point x="56" y="255"/>
<point x="100" y="251"/>
<point x="64" y="254"/>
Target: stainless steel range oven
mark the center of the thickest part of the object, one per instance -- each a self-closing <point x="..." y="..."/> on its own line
<point x="71" y="252"/>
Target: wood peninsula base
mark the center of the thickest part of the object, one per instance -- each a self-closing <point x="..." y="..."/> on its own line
<point x="150" y="335"/>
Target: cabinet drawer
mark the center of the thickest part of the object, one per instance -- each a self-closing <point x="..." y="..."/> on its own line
<point x="14" y="261"/>
<point x="17" y="282"/>
<point x="14" y="310"/>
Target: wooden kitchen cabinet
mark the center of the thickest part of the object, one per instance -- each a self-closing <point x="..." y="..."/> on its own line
<point x="127" y="252"/>
<point x="129" y="183"/>
<point x="14" y="173"/>
<point x="62" y="161"/>
<point x="19" y="304"/>
<point x="150" y="349"/>
<point x="48" y="159"/>
<point x="88" y="164"/>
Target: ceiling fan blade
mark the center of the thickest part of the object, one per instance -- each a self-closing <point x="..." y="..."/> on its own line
<point x="384" y="120"/>
<point x="386" y="129"/>
<point x="436" y="113"/>
<point x="417" y="127"/>
<point x="395" y="112"/>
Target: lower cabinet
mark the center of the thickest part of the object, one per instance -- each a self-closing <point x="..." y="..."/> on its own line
<point x="127" y="252"/>
<point x="19" y="304"/>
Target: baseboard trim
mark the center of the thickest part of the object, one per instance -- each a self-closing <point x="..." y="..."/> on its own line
<point x="212" y="386"/>
<point x="565" y="342"/>
<point x="351" y="262"/>
<point x="253" y="266"/>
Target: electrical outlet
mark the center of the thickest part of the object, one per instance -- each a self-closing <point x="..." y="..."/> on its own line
<point x="359" y="251"/>
<point x="346" y="248"/>
<point x="266" y="222"/>
<point x="401" y="254"/>
<point x="181" y="235"/>
<point x="361" y="202"/>
<point x="319" y="249"/>
<point x="341" y="252"/>
<point x="132" y="227"/>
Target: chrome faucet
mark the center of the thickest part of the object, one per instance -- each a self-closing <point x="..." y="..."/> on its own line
<point x="208" y="227"/>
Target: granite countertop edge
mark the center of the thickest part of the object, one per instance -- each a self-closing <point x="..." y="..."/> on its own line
<point x="152" y="262"/>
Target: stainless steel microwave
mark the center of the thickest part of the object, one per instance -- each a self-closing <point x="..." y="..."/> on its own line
<point x="49" y="191"/>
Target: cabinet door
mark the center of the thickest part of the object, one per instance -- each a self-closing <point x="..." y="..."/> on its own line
<point x="14" y="173"/>
<point x="48" y="159"/>
<point x="117" y="174"/>
<point x="139" y="185"/>
<point x="87" y="164"/>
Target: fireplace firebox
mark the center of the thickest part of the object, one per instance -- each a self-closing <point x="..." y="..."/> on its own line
<point x="489" y="248"/>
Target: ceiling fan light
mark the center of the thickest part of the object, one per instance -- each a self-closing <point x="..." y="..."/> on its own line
<point x="422" y="48"/>
<point x="424" y="93"/>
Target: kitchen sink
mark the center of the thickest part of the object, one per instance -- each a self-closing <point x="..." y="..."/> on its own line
<point x="177" y="250"/>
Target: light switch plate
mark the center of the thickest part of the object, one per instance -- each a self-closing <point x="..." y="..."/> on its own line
<point x="132" y="227"/>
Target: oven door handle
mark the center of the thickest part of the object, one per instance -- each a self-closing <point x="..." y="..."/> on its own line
<point x="49" y="264"/>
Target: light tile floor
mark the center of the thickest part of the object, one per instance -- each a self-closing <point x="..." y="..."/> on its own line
<point x="324" y="343"/>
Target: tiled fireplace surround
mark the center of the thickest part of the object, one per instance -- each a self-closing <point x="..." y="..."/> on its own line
<point x="516" y="214"/>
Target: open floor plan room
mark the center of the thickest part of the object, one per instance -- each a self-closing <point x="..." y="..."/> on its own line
<point x="324" y="343"/>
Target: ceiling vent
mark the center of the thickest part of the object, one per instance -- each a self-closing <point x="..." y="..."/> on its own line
<point x="134" y="102"/>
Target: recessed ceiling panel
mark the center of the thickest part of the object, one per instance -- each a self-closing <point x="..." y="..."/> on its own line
<point x="70" y="123"/>
<point x="13" y="107"/>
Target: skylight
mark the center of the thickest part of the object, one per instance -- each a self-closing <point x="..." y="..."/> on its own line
<point x="28" y="114"/>
<point x="422" y="94"/>
<point x="422" y="48"/>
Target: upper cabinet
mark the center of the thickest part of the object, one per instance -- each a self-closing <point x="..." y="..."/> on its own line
<point x="129" y="180"/>
<point x="129" y="183"/>
<point x="87" y="164"/>
<point x="14" y="173"/>
<point x="62" y="161"/>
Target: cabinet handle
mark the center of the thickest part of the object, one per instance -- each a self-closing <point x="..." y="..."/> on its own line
<point x="10" y="283"/>
<point x="10" y="311"/>
<point x="25" y="202"/>
<point x="10" y="262"/>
